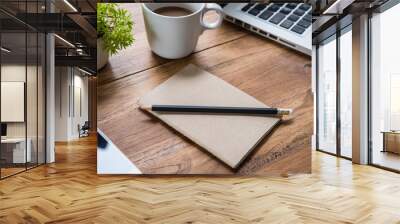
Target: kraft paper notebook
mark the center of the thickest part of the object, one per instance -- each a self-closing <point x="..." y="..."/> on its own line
<point x="230" y="138"/>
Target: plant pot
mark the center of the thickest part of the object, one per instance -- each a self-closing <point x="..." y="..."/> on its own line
<point x="102" y="55"/>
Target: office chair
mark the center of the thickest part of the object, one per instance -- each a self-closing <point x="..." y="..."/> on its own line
<point x="84" y="130"/>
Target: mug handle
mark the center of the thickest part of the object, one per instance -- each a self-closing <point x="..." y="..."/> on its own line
<point x="212" y="7"/>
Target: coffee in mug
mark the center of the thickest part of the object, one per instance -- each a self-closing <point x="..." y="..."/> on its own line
<point x="173" y="29"/>
<point x="173" y="11"/>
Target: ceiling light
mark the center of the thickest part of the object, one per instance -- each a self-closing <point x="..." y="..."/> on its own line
<point x="70" y="5"/>
<point x="84" y="71"/>
<point x="5" y="50"/>
<point x="65" y="41"/>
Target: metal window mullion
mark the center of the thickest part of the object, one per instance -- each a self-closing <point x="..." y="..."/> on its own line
<point x="45" y="96"/>
<point x="26" y="87"/>
<point x="37" y="95"/>
<point x="369" y="78"/>
<point x="317" y="96"/>
<point x="338" y="98"/>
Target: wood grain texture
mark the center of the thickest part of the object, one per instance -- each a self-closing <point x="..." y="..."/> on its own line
<point x="11" y="169"/>
<point x="271" y="73"/>
<point x="70" y="191"/>
<point x="141" y="58"/>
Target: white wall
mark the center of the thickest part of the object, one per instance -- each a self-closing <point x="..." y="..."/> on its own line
<point x="70" y="81"/>
<point x="61" y="103"/>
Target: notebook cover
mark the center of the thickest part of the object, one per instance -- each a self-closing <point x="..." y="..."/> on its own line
<point x="230" y="138"/>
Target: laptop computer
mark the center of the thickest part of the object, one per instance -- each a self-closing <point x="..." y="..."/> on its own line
<point x="287" y="23"/>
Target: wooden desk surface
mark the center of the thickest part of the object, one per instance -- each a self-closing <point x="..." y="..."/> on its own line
<point x="268" y="71"/>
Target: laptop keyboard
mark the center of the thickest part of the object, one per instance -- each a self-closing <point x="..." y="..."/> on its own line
<point x="291" y="16"/>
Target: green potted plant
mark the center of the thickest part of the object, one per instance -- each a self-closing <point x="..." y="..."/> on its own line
<point x="114" y="31"/>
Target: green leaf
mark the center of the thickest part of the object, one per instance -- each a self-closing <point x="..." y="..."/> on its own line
<point x="114" y="26"/>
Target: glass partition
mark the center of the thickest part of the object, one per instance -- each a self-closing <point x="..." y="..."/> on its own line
<point x="385" y="89"/>
<point x="346" y="94"/>
<point x="22" y="77"/>
<point x="13" y="94"/>
<point x="327" y="97"/>
<point x="334" y="94"/>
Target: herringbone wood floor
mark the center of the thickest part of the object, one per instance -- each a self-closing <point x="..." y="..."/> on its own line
<point x="69" y="191"/>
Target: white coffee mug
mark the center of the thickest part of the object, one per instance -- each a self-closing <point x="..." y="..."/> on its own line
<point x="175" y="37"/>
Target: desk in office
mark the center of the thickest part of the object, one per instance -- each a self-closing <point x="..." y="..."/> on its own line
<point x="17" y="152"/>
<point x="268" y="71"/>
<point x="391" y="141"/>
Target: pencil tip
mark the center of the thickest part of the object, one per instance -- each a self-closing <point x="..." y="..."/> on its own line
<point x="283" y="111"/>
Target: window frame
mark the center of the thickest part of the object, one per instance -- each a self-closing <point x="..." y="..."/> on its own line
<point x="334" y="37"/>
<point x="381" y="9"/>
<point x="338" y="29"/>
